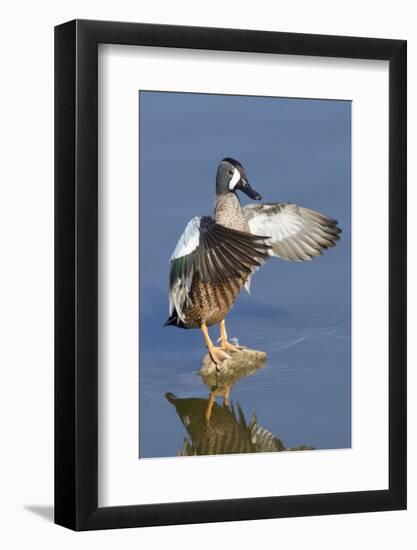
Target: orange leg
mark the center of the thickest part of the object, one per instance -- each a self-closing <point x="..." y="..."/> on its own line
<point x="212" y="398"/>
<point x="223" y="338"/>
<point x="217" y="354"/>
<point x="225" y="394"/>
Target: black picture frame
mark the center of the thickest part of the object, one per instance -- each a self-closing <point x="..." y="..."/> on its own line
<point x="76" y="272"/>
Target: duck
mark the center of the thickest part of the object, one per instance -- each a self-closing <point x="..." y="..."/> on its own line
<point x="216" y="256"/>
<point x="226" y="431"/>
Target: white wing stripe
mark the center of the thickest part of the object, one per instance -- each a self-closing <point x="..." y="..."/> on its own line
<point x="189" y="240"/>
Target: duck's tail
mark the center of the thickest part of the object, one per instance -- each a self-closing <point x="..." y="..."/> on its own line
<point x="174" y="320"/>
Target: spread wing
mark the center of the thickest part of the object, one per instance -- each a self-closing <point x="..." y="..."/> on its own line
<point x="214" y="254"/>
<point x="295" y="233"/>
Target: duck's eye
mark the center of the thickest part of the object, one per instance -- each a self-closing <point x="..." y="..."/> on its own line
<point x="230" y="172"/>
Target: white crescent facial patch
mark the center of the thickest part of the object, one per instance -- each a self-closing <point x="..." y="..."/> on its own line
<point x="234" y="179"/>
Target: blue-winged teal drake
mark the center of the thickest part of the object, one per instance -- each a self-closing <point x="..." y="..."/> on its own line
<point x="217" y="255"/>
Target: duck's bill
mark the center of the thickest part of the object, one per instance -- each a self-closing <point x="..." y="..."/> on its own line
<point x="244" y="186"/>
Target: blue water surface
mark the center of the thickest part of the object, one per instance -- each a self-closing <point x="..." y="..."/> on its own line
<point x="293" y="150"/>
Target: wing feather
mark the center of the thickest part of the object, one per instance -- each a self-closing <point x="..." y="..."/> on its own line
<point x="213" y="253"/>
<point x="295" y="233"/>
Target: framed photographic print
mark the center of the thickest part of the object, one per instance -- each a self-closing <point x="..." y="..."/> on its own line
<point x="230" y="274"/>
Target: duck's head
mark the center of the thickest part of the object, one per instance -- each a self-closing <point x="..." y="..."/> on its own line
<point x="231" y="177"/>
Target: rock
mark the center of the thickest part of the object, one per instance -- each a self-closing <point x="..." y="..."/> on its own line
<point x="241" y="363"/>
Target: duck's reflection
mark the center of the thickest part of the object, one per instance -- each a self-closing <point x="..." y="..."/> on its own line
<point x="215" y="429"/>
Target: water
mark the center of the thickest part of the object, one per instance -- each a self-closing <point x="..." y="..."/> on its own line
<point x="298" y="313"/>
<point x="301" y="394"/>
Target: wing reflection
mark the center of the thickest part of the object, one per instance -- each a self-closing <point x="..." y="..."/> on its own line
<point x="215" y="429"/>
